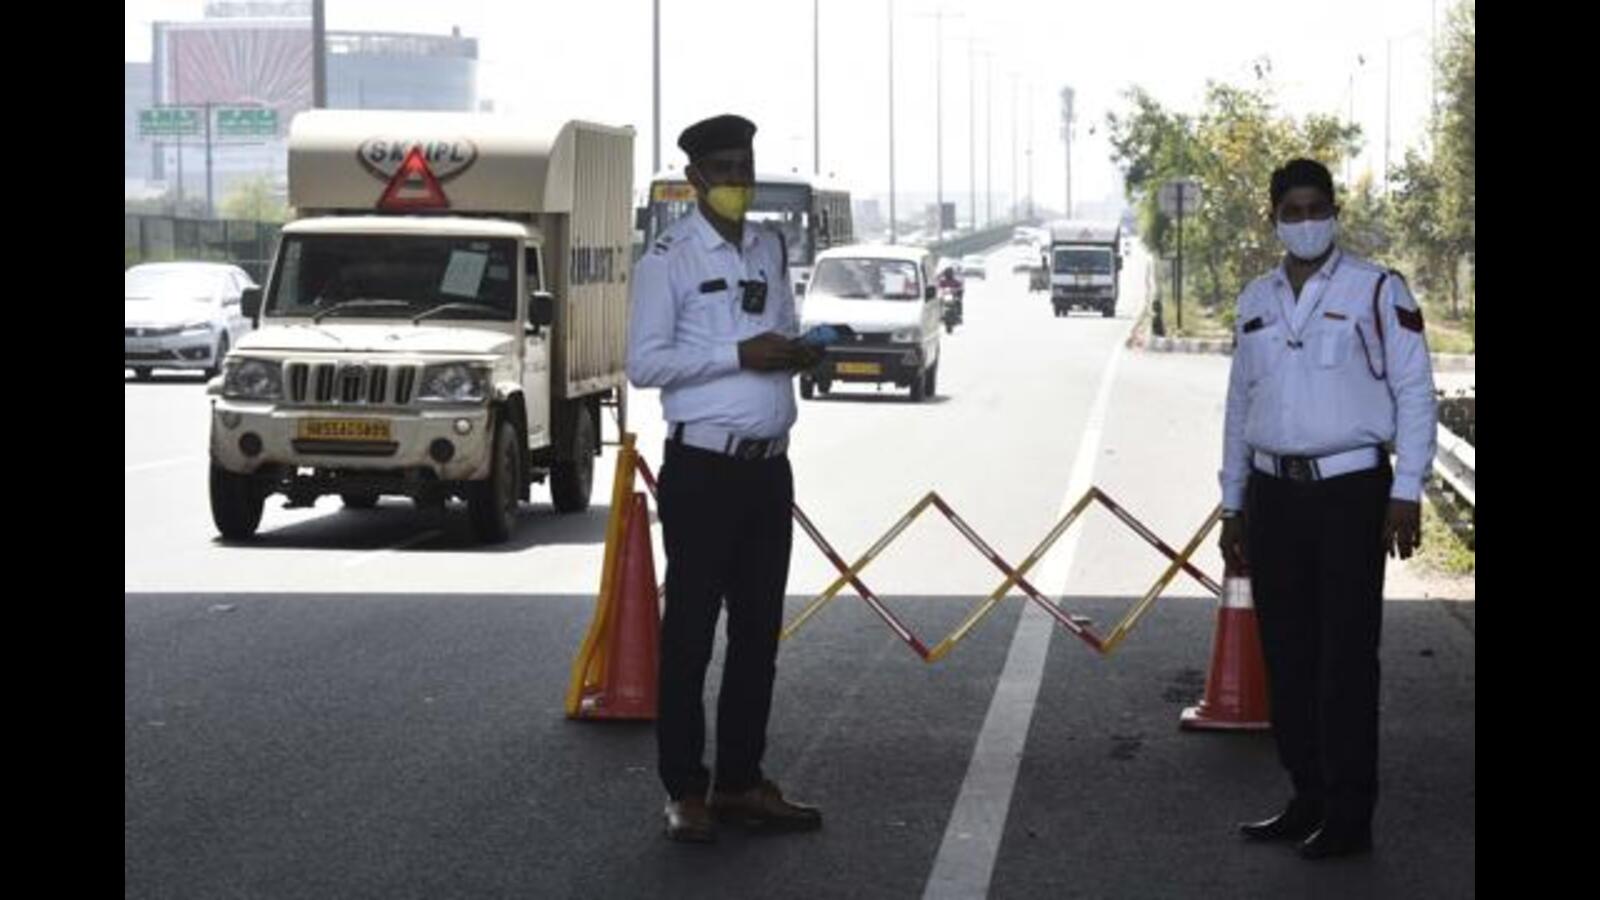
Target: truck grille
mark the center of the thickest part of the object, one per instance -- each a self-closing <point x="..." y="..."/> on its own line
<point x="350" y="383"/>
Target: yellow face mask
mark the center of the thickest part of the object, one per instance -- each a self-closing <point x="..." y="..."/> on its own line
<point x="730" y="202"/>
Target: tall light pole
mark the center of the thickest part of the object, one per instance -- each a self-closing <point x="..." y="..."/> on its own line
<point x="1067" y="97"/>
<point x="938" y="117"/>
<point x="1030" y="149"/>
<point x="892" y="232"/>
<point x="938" y="127"/>
<point x="1013" y="146"/>
<point x="972" y="139"/>
<point x="656" y="90"/>
<point x="816" y="88"/>
<point x="319" y="56"/>
<point x="988" y="153"/>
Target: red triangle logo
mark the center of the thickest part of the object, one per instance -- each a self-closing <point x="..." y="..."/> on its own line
<point x="413" y="186"/>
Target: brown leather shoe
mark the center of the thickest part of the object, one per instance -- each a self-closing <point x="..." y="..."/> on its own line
<point x="763" y="806"/>
<point x="689" y="820"/>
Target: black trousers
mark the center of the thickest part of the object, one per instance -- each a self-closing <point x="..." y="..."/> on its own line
<point x="1316" y="567"/>
<point x="728" y="530"/>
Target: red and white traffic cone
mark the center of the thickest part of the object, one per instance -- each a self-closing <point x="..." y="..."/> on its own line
<point x="1236" y="688"/>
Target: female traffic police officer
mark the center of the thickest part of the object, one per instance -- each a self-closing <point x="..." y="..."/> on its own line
<point x="713" y="325"/>
<point x="1331" y="366"/>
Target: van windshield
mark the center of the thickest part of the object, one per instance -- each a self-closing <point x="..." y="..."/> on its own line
<point x="866" y="279"/>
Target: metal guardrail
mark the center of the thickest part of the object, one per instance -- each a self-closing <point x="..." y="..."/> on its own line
<point x="978" y="240"/>
<point x="1455" y="462"/>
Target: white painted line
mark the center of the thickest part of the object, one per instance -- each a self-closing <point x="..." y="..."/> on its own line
<point x="964" y="865"/>
<point x="361" y="559"/>
<point x="162" y="464"/>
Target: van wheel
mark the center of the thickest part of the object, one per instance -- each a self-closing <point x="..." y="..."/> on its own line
<point x="919" y="387"/>
<point x="933" y="381"/>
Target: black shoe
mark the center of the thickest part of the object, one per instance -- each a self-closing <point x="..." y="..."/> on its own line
<point x="763" y="806"/>
<point x="690" y="821"/>
<point x="1296" y="823"/>
<point x="1331" y="841"/>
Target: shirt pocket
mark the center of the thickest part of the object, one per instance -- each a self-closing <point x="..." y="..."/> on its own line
<point x="1261" y="349"/>
<point x="1333" y="340"/>
<point x="711" y="313"/>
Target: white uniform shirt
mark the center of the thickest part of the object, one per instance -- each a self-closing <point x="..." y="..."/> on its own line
<point x="685" y="327"/>
<point x="1303" y="383"/>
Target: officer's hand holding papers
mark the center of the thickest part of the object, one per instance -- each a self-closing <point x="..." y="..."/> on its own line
<point x="772" y="352"/>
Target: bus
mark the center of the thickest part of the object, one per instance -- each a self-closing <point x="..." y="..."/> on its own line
<point x="813" y="214"/>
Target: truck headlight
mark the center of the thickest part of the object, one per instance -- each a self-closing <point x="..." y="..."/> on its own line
<point x="253" y="379"/>
<point x="906" y="336"/>
<point x="454" y="383"/>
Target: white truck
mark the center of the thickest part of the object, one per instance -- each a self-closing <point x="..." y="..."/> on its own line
<point x="1084" y="260"/>
<point x="444" y="319"/>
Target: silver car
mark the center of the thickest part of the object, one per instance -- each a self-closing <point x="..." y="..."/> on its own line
<point x="181" y="315"/>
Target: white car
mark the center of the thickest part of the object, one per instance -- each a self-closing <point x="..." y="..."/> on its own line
<point x="182" y="315"/>
<point x="889" y="297"/>
<point x="974" y="267"/>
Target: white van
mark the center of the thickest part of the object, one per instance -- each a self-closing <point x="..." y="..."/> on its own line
<point x="889" y="297"/>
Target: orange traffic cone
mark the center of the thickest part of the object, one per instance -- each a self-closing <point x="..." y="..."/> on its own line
<point x="1236" y="689"/>
<point x="632" y="636"/>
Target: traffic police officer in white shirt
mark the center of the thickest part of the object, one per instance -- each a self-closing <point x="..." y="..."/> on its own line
<point x="1330" y="370"/>
<point x="714" y="326"/>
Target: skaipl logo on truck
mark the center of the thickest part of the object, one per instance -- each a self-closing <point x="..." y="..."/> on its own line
<point x="382" y="157"/>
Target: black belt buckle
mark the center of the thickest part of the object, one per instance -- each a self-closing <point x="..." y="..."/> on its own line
<point x="1297" y="468"/>
<point x="751" y="449"/>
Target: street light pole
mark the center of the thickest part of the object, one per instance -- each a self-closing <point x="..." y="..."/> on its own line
<point x="319" y="56"/>
<point x="655" y="88"/>
<point x="1030" y="150"/>
<point x="892" y="232"/>
<point x="1013" y="146"/>
<point x="938" y="127"/>
<point x="816" y="87"/>
<point x="972" y="139"/>
<point x="988" y="152"/>
<point x="1067" y="97"/>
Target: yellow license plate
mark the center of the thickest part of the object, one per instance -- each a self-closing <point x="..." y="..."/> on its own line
<point x="344" y="429"/>
<point x="860" y="368"/>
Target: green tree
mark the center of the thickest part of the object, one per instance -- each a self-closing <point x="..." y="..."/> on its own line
<point x="255" y="200"/>
<point x="1231" y="147"/>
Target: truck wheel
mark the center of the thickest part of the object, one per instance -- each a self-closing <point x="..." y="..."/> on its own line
<point x="141" y="373"/>
<point x="572" y="482"/>
<point x="933" y="381"/>
<point x="236" y="502"/>
<point x="1109" y="310"/>
<point x="362" y="500"/>
<point x="808" y="388"/>
<point x="824" y="386"/>
<point x="492" y="502"/>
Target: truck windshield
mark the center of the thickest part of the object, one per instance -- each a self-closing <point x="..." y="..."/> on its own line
<point x="1088" y="261"/>
<point x="412" y="274"/>
<point x="866" y="279"/>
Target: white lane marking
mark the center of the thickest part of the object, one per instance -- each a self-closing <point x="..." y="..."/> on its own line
<point x="162" y="464"/>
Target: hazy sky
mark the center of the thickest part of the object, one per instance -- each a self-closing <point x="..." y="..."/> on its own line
<point x="592" y="59"/>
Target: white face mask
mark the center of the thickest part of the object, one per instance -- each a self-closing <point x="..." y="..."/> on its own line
<point x="1309" y="239"/>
